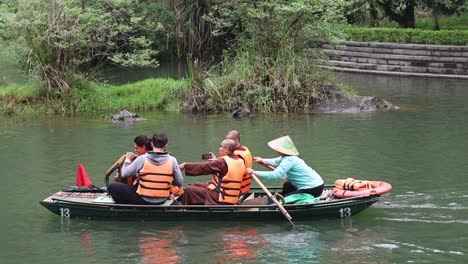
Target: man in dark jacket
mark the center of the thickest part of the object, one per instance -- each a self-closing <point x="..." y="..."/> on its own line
<point x="225" y="186"/>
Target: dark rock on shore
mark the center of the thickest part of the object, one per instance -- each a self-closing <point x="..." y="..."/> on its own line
<point x="336" y="101"/>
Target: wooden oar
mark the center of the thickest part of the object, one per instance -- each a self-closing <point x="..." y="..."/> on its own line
<point x="273" y="198"/>
<point x="268" y="166"/>
<point x="116" y="165"/>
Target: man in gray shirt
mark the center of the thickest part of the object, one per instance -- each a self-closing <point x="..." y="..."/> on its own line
<point x="157" y="170"/>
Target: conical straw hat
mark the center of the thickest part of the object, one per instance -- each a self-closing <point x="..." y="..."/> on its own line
<point x="284" y="145"/>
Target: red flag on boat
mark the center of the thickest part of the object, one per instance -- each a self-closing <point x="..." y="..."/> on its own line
<point x="82" y="178"/>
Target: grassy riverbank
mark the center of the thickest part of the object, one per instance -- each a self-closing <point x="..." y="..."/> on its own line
<point x="164" y="94"/>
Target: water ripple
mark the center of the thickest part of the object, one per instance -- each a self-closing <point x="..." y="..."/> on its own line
<point x="421" y="206"/>
<point x="425" y="249"/>
<point x="457" y="221"/>
<point x="389" y="246"/>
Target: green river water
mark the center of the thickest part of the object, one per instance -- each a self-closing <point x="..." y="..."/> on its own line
<point x="421" y="149"/>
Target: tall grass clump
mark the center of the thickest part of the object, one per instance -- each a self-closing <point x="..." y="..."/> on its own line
<point x="282" y="84"/>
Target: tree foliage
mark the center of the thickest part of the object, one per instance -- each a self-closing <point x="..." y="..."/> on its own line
<point x="271" y="26"/>
<point x="195" y="32"/>
<point x="439" y="7"/>
<point x="401" y="11"/>
<point x="269" y="64"/>
<point x="71" y="39"/>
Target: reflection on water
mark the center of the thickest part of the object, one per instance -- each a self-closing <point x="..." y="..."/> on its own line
<point x="118" y="75"/>
<point x="335" y="240"/>
<point x="86" y="242"/>
<point x="173" y="243"/>
<point x="159" y="247"/>
<point x="240" y="244"/>
<point x="12" y="74"/>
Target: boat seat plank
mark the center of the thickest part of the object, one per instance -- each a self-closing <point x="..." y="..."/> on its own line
<point x="104" y="198"/>
<point x="246" y="197"/>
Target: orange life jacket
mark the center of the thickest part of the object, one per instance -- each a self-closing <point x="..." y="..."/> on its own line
<point x="155" y="180"/>
<point x="354" y="185"/>
<point x="247" y="178"/>
<point x="229" y="189"/>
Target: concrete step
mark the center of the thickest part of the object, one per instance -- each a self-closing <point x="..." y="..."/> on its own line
<point x="409" y="74"/>
<point x="399" y="51"/>
<point x="397" y="57"/>
<point x="395" y="68"/>
<point x="450" y="48"/>
<point x="449" y="65"/>
<point x="347" y="64"/>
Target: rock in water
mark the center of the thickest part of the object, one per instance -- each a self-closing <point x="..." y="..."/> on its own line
<point x="240" y="112"/>
<point x="126" y="116"/>
<point x="338" y="102"/>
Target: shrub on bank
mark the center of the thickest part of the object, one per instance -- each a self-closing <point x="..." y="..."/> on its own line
<point x="399" y="35"/>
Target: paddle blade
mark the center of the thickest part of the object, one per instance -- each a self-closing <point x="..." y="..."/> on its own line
<point x="82" y="178"/>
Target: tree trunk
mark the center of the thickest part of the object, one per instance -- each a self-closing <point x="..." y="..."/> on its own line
<point x="373" y="13"/>
<point x="406" y="18"/>
<point x="409" y="14"/>
<point x="436" y="17"/>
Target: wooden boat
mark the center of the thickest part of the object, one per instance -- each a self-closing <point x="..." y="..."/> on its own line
<point x="97" y="204"/>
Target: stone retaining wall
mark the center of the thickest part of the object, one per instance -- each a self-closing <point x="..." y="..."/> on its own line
<point x="399" y="59"/>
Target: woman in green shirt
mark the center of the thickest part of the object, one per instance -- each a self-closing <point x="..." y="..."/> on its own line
<point x="301" y="178"/>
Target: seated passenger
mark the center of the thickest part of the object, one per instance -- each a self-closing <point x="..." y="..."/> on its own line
<point x="142" y="145"/>
<point x="226" y="183"/>
<point x="157" y="170"/>
<point x="245" y="154"/>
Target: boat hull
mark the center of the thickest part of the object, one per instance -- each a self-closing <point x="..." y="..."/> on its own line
<point x="61" y="204"/>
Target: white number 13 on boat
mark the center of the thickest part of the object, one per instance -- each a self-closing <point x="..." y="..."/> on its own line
<point x="345" y="212"/>
<point x="65" y="212"/>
